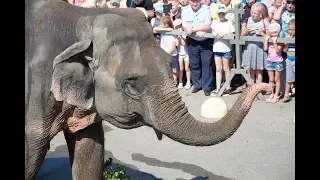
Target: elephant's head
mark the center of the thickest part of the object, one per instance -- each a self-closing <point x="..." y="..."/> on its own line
<point x="118" y="69"/>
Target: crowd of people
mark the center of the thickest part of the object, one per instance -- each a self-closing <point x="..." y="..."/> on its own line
<point x="195" y="57"/>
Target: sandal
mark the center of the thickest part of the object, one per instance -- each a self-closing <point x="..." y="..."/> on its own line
<point x="275" y="99"/>
<point x="244" y="86"/>
<point x="286" y="99"/>
<point x="270" y="98"/>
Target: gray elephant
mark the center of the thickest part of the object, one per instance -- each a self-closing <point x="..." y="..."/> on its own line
<point x="103" y="64"/>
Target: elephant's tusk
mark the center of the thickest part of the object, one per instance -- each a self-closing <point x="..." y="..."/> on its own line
<point x="88" y="58"/>
<point x="158" y="133"/>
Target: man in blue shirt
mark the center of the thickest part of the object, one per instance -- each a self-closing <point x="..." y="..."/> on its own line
<point x="196" y="20"/>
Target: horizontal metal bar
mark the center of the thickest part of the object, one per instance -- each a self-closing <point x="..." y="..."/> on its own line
<point x="234" y="10"/>
<point x="236" y="41"/>
<point x="206" y="35"/>
<point x="243" y="38"/>
<point x="261" y="39"/>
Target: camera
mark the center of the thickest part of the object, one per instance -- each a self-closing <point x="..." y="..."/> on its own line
<point x="167" y="8"/>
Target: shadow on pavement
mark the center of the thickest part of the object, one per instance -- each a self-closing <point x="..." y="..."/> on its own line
<point x="188" y="168"/>
<point x="56" y="167"/>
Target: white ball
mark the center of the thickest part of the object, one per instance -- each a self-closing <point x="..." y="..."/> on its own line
<point x="214" y="107"/>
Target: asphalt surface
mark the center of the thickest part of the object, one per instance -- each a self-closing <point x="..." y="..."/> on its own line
<point x="263" y="148"/>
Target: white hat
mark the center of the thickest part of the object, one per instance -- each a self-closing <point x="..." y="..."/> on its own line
<point x="177" y="22"/>
<point x="222" y="8"/>
<point x="274" y="27"/>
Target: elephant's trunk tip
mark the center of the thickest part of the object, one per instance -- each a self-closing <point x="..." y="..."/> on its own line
<point x="258" y="87"/>
<point x="253" y="91"/>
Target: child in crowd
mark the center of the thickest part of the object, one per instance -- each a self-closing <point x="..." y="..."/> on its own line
<point x="114" y="4"/>
<point x="222" y="47"/>
<point x="253" y="56"/>
<point x="169" y="44"/>
<point x="274" y="9"/>
<point x="183" y="3"/>
<point x="183" y="55"/>
<point x="284" y="15"/>
<point x="155" y="22"/>
<point x="274" y="60"/>
<point x="290" y="61"/>
<point x="175" y="11"/>
<point x="247" y="8"/>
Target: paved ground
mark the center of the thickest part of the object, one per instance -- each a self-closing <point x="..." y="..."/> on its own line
<point x="263" y="148"/>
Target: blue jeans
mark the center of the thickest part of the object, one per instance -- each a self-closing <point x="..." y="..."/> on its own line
<point x="226" y="55"/>
<point x="274" y="66"/>
<point x="200" y="59"/>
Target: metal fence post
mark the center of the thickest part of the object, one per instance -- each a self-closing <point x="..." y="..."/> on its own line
<point x="237" y="41"/>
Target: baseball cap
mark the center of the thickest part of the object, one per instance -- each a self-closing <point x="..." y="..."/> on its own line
<point x="274" y="27"/>
<point x="115" y="1"/>
<point x="158" y="8"/>
<point x="222" y="8"/>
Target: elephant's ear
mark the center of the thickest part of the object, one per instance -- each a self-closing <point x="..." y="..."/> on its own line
<point x="72" y="78"/>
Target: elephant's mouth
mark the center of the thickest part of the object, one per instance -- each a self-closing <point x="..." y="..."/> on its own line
<point x="125" y="120"/>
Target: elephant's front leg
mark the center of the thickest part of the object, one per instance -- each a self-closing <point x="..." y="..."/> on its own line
<point x="86" y="151"/>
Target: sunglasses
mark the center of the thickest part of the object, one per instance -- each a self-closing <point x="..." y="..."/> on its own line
<point x="291" y="2"/>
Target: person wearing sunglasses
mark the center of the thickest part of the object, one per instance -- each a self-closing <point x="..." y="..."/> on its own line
<point x="284" y="15"/>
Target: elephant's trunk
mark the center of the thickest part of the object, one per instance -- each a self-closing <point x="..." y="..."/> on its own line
<point x="179" y="125"/>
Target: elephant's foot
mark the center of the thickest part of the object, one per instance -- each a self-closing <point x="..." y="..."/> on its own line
<point x="74" y="124"/>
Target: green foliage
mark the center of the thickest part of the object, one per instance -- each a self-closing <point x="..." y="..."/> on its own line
<point x="111" y="173"/>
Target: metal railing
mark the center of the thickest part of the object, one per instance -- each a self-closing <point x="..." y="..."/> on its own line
<point x="238" y="41"/>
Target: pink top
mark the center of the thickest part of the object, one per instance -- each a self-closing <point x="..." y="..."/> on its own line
<point x="273" y="56"/>
<point x="77" y="2"/>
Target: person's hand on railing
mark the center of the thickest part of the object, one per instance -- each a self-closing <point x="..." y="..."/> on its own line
<point x="161" y="29"/>
<point x="290" y="36"/>
<point x="267" y="37"/>
<point x="219" y="36"/>
<point x="259" y="33"/>
<point x="274" y="39"/>
<point x="188" y="30"/>
<point x="200" y="33"/>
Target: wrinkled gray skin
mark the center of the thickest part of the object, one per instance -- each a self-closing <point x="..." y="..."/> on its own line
<point x="106" y="60"/>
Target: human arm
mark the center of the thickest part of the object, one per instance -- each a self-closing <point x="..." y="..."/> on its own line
<point x="265" y="43"/>
<point x="206" y="26"/>
<point x="153" y="20"/>
<point x="277" y="47"/>
<point x="162" y="29"/>
<point x="148" y="13"/>
<point x="271" y="12"/>
<point x="181" y="41"/>
<point x="277" y="14"/>
<point x="230" y="31"/>
<point x="286" y="47"/>
<point x="244" y="30"/>
<point x="149" y="8"/>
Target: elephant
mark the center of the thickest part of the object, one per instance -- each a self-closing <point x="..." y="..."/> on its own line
<point x="105" y="64"/>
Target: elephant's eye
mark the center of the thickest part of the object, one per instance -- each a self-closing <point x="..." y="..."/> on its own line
<point x="132" y="87"/>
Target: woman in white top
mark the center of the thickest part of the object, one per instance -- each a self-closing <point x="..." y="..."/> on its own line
<point x="222" y="48"/>
<point x="183" y="55"/>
